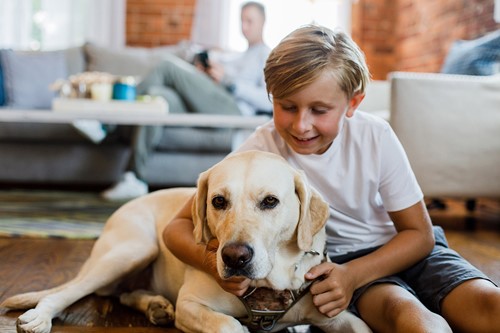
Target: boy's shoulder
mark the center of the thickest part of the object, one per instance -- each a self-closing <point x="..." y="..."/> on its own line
<point x="363" y="118"/>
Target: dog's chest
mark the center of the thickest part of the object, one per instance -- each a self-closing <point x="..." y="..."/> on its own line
<point x="265" y="307"/>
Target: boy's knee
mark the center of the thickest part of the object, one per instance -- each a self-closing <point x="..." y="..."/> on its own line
<point x="409" y="315"/>
<point x="473" y="306"/>
<point x="400" y="311"/>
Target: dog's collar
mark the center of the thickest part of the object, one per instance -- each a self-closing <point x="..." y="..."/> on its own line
<point x="266" y="306"/>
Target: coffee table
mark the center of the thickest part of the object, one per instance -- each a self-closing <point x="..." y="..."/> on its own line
<point x="128" y="113"/>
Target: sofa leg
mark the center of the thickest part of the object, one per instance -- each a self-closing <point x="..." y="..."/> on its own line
<point x="470" y="219"/>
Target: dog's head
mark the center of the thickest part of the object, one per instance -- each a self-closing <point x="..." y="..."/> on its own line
<point x="256" y="204"/>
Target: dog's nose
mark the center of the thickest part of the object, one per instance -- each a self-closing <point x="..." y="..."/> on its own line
<point x="237" y="255"/>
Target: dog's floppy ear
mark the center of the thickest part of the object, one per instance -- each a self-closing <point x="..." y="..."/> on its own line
<point x="314" y="212"/>
<point x="199" y="210"/>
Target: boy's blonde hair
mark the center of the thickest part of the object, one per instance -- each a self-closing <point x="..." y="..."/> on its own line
<point x="306" y="52"/>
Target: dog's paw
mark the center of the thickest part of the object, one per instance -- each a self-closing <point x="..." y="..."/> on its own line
<point x="33" y="321"/>
<point x="160" y="311"/>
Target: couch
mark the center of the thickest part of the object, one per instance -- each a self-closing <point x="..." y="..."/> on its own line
<point x="56" y="154"/>
<point x="449" y="122"/>
<point x="449" y="126"/>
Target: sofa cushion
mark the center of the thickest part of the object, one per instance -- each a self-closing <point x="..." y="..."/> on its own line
<point x="75" y="60"/>
<point x="134" y="61"/>
<point x="195" y="139"/>
<point x="474" y="57"/>
<point x="28" y="75"/>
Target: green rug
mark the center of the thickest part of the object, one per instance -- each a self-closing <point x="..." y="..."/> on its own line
<point x="55" y="214"/>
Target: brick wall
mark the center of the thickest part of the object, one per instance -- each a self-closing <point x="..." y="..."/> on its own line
<point x="410" y="35"/>
<point x="158" y="22"/>
<point x="403" y="35"/>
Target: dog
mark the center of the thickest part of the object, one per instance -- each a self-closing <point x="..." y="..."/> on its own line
<point x="270" y="228"/>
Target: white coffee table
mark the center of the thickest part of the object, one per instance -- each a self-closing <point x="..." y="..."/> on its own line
<point x="128" y="113"/>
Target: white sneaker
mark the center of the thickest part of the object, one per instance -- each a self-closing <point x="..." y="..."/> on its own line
<point x="129" y="187"/>
<point x="91" y="129"/>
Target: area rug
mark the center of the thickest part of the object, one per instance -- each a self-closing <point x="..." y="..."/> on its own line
<point x="53" y="214"/>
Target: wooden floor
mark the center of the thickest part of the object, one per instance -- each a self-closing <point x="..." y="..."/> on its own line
<point x="33" y="264"/>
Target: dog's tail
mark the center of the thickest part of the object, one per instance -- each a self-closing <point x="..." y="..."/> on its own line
<point x="27" y="300"/>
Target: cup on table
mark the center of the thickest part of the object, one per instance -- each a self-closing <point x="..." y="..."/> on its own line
<point x="101" y="91"/>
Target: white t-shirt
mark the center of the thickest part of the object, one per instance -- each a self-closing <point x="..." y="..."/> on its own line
<point x="364" y="174"/>
<point x="246" y="74"/>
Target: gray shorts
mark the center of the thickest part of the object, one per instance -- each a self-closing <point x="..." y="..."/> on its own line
<point x="430" y="280"/>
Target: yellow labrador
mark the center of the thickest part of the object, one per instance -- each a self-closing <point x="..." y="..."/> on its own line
<point x="270" y="228"/>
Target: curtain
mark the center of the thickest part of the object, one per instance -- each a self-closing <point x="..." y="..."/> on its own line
<point x="106" y="22"/>
<point x="56" y="24"/>
<point x="211" y="23"/>
<point x="217" y="22"/>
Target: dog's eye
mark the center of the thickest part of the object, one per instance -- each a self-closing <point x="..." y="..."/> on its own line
<point x="219" y="202"/>
<point x="269" y="202"/>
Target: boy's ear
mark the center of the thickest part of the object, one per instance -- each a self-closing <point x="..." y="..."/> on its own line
<point x="354" y="103"/>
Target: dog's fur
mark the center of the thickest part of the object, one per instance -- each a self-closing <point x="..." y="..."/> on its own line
<point x="253" y="202"/>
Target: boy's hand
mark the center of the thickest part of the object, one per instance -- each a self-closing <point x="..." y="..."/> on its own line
<point x="236" y="285"/>
<point x="333" y="293"/>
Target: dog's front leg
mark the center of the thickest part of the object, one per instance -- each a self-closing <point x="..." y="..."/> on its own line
<point x="202" y="306"/>
<point x="196" y="317"/>
<point x="157" y="308"/>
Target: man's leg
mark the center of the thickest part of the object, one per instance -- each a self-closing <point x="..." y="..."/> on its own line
<point x="132" y="183"/>
<point x="199" y="93"/>
<point x="390" y="308"/>
<point x="473" y="306"/>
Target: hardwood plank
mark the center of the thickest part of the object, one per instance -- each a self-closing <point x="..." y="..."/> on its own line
<point x="34" y="264"/>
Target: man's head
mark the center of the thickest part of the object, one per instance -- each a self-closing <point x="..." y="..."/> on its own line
<point x="253" y="17"/>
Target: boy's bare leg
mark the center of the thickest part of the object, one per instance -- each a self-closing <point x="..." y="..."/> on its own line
<point x="473" y="306"/>
<point x="390" y="308"/>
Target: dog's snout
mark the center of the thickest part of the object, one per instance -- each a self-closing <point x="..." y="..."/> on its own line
<point x="237" y="255"/>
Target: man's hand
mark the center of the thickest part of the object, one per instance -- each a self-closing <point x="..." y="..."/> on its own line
<point x="215" y="71"/>
<point x="236" y="285"/>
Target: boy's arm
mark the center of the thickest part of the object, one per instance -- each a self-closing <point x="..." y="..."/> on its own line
<point x="412" y="243"/>
<point x="179" y="239"/>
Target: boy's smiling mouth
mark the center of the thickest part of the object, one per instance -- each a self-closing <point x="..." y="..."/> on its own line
<point x="304" y="140"/>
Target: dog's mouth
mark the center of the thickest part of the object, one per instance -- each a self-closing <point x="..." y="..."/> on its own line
<point x="230" y="272"/>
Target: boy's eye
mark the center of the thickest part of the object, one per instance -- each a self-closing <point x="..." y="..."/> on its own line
<point x="288" y="107"/>
<point x="319" y="110"/>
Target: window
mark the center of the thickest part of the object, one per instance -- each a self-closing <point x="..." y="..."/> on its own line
<point x="56" y="24"/>
<point x="284" y="16"/>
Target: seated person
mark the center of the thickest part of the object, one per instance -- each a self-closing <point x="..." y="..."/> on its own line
<point x="236" y="87"/>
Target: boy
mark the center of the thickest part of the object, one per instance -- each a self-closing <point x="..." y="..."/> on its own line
<point x="389" y="267"/>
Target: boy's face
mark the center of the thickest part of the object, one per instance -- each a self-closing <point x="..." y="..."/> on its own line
<point x="310" y="119"/>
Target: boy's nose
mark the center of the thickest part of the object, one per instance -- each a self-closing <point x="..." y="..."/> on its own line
<point x="302" y="122"/>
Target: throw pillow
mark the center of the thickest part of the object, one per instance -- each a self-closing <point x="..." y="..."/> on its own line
<point x="474" y="57"/>
<point x="135" y="61"/>
<point x="28" y="75"/>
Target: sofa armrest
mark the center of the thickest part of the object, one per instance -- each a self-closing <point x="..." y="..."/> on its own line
<point x="377" y="99"/>
<point x="449" y="126"/>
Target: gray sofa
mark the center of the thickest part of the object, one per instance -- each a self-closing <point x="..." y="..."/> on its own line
<point x="56" y="154"/>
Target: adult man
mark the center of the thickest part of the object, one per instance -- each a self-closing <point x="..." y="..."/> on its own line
<point x="235" y="87"/>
